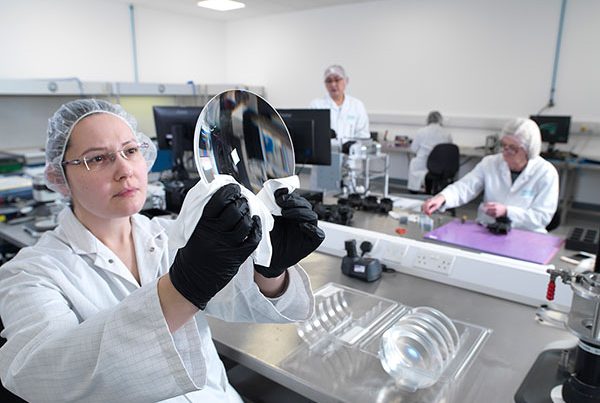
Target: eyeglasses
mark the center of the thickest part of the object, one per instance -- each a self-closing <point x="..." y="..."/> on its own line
<point x="333" y="80"/>
<point x="95" y="162"/>
<point x="510" y="149"/>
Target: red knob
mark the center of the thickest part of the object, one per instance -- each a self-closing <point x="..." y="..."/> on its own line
<point x="551" y="290"/>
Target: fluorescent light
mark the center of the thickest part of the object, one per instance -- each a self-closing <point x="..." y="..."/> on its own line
<point x="221" y="5"/>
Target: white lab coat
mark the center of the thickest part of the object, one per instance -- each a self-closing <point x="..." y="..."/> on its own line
<point x="424" y="141"/>
<point x="80" y="328"/>
<point x="531" y="200"/>
<point x="349" y="120"/>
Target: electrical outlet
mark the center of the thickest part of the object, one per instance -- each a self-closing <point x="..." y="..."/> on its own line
<point x="437" y="262"/>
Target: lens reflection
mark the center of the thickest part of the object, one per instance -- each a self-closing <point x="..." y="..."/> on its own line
<point x="238" y="133"/>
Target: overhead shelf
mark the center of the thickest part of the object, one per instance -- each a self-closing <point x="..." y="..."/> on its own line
<point x="76" y="87"/>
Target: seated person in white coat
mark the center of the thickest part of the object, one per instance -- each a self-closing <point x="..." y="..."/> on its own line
<point x="349" y="117"/>
<point x="424" y="141"/>
<point x="517" y="183"/>
<point x="100" y="310"/>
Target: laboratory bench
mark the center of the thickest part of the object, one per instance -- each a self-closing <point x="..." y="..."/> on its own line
<point x="494" y="376"/>
<point x="277" y="352"/>
<point x="274" y="350"/>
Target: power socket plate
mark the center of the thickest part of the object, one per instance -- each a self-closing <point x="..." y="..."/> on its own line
<point x="436" y="262"/>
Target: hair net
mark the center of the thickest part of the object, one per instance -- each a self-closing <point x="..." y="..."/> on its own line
<point x="335" y="70"/>
<point x="60" y="126"/>
<point x="434" y="117"/>
<point x="527" y="132"/>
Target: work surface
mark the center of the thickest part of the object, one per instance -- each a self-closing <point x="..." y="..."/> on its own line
<point x="494" y="376"/>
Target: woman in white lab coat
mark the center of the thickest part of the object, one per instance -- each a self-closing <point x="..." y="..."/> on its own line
<point x="517" y="183"/>
<point x="100" y="310"/>
<point x="424" y="141"/>
<point x="349" y="117"/>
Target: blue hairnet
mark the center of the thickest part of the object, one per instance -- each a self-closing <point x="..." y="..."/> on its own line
<point x="60" y="126"/>
<point x="527" y="133"/>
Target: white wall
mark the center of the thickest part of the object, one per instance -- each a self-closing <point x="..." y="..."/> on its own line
<point x="477" y="61"/>
<point x="91" y="40"/>
<point x="464" y="57"/>
<point x="482" y="58"/>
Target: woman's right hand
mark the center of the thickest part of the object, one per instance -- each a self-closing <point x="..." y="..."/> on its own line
<point x="224" y="238"/>
<point x="433" y="204"/>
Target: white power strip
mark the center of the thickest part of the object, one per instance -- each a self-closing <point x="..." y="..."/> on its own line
<point x="512" y="279"/>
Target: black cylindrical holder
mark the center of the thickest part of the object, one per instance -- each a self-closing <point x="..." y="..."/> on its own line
<point x="583" y="386"/>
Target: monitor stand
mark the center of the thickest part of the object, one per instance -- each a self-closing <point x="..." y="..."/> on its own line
<point x="553" y="153"/>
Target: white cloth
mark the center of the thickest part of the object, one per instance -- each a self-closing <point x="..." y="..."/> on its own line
<point x="349" y="120"/>
<point x="262" y="205"/>
<point x="80" y="328"/>
<point x="267" y="193"/>
<point x="424" y="141"/>
<point x="531" y="200"/>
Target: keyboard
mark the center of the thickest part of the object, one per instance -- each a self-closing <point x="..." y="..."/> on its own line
<point x="558" y="155"/>
<point x="583" y="239"/>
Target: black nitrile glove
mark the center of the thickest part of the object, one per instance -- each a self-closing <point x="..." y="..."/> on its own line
<point x="224" y="237"/>
<point x="294" y="235"/>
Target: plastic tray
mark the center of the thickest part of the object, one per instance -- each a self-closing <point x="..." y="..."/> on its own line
<point x="343" y="338"/>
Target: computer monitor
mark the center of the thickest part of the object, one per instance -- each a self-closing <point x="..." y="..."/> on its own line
<point x="310" y="133"/>
<point x="554" y="129"/>
<point x="175" y="127"/>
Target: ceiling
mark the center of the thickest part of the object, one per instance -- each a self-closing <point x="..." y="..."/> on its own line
<point x="254" y="8"/>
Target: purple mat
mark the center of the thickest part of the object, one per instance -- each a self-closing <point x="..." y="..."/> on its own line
<point x="517" y="244"/>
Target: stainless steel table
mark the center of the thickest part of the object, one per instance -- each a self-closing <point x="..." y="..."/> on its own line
<point x="494" y="376"/>
<point x="16" y="235"/>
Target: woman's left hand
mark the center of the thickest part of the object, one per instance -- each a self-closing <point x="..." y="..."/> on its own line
<point x="494" y="209"/>
<point x="295" y="233"/>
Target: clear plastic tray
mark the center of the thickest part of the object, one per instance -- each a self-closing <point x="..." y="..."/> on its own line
<point x="344" y="337"/>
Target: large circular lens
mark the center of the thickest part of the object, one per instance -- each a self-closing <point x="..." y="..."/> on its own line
<point x="239" y="134"/>
<point x="409" y="357"/>
<point x="443" y="319"/>
<point x="417" y="349"/>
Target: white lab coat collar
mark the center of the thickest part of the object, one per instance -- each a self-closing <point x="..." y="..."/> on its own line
<point x="84" y="243"/>
<point x="523" y="177"/>
<point x="335" y="105"/>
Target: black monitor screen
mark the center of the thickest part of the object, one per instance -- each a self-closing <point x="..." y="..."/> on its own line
<point x="175" y="126"/>
<point x="310" y="133"/>
<point x="554" y="129"/>
<point x="175" y="121"/>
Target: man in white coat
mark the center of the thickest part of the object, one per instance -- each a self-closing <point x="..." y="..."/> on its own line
<point x="425" y="140"/>
<point x="517" y="183"/>
<point x="349" y="117"/>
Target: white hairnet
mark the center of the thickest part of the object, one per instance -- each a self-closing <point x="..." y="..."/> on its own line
<point x="60" y="126"/>
<point x="434" y="117"/>
<point x="527" y="132"/>
<point x="335" y="70"/>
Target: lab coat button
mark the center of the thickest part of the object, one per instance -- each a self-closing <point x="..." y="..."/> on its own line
<point x="152" y="249"/>
<point x="110" y="261"/>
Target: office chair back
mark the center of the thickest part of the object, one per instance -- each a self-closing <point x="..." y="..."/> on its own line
<point x="555" y="222"/>
<point x="442" y="167"/>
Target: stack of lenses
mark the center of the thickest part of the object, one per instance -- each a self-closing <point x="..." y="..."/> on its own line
<point x="331" y="313"/>
<point x="417" y="349"/>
